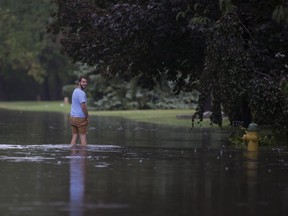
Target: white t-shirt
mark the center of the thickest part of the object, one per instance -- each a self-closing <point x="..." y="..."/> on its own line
<point x="78" y="97"/>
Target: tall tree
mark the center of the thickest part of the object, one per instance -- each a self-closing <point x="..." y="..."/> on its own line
<point x="245" y="64"/>
<point x="28" y="58"/>
<point x="145" y="40"/>
<point x="234" y="51"/>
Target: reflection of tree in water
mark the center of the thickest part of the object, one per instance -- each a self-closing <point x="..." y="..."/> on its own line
<point x="34" y="127"/>
<point x="77" y="181"/>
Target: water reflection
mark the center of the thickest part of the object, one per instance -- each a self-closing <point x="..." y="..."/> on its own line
<point x="46" y="128"/>
<point x="78" y="163"/>
<point x="251" y="165"/>
<point x="194" y="175"/>
<point x="111" y="180"/>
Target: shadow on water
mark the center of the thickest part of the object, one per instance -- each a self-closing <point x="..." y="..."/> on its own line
<point x="133" y="169"/>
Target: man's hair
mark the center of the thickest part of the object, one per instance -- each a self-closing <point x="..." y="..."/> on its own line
<point x="82" y="77"/>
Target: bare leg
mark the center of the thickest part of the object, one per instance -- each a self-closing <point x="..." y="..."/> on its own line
<point x="74" y="139"/>
<point x="83" y="139"/>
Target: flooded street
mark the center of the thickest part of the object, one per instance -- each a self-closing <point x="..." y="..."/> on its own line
<point x="131" y="169"/>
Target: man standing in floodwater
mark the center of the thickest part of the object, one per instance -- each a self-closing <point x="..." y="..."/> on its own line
<point x="79" y="113"/>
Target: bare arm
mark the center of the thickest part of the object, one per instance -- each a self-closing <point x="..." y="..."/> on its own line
<point x="85" y="110"/>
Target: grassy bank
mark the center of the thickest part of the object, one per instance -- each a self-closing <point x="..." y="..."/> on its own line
<point x="167" y="117"/>
<point x="44" y="106"/>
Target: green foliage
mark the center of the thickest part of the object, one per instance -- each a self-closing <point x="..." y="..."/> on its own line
<point x="235" y="139"/>
<point x="226" y="5"/>
<point x="115" y="94"/>
<point x="280" y="14"/>
<point x="28" y="57"/>
<point x="23" y="41"/>
<point x="265" y="140"/>
<point x="250" y="70"/>
<point x="67" y="91"/>
<point x="231" y="51"/>
<point x="145" y="40"/>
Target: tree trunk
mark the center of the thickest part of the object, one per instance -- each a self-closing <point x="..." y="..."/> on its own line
<point x="245" y="113"/>
<point x="240" y="114"/>
<point x="2" y="89"/>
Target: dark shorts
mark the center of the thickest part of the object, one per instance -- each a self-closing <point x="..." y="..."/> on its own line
<point x="78" y="125"/>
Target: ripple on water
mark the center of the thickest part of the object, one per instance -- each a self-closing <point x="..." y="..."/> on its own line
<point x="57" y="146"/>
<point x="47" y="152"/>
<point x="21" y="159"/>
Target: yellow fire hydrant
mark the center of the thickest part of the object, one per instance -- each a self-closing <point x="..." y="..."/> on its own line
<point x="252" y="137"/>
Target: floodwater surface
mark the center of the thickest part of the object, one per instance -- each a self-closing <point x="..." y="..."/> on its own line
<point x="133" y="169"/>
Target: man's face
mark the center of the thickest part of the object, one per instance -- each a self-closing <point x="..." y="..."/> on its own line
<point x="83" y="83"/>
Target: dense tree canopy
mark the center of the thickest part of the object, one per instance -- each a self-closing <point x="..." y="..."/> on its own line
<point x="144" y="41"/>
<point x="234" y="52"/>
<point x="30" y="64"/>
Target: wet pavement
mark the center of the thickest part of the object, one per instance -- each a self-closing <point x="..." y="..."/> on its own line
<point x="133" y="169"/>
